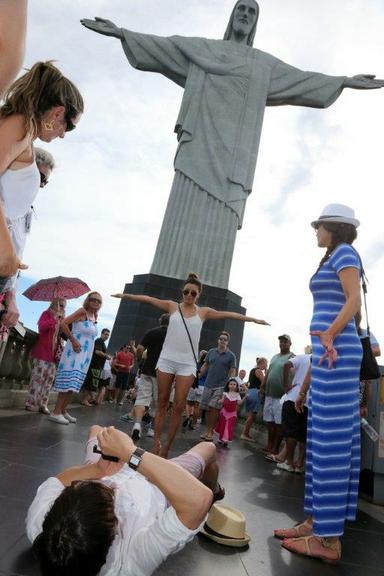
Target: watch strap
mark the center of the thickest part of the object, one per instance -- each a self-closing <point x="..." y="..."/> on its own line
<point x="135" y="458"/>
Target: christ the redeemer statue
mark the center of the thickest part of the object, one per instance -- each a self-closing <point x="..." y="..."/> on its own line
<point x="227" y="85"/>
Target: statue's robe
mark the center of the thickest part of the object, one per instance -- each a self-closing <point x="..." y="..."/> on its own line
<point x="226" y="88"/>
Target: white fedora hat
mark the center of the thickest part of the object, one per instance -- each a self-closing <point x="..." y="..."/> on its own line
<point x="226" y="525"/>
<point x="339" y="213"/>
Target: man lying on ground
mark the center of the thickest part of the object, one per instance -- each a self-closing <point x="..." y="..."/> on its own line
<point x="125" y="517"/>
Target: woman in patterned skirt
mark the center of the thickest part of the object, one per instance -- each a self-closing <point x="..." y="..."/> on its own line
<point x="333" y="446"/>
<point x="76" y="355"/>
<point x="43" y="357"/>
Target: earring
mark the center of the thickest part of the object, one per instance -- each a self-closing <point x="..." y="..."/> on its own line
<point x="49" y="126"/>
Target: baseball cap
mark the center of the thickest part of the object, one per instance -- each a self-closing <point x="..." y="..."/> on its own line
<point x="285" y="337"/>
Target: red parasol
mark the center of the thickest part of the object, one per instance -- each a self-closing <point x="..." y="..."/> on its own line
<point x="59" y="287"/>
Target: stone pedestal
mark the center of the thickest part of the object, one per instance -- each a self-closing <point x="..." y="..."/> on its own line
<point x="134" y="319"/>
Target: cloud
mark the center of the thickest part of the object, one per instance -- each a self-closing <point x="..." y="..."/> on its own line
<point x="100" y="216"/>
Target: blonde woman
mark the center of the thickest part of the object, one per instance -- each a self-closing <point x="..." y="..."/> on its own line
<point x="43" y="357"/>
<point x="81" y="331"/>
<point x="40" y="104"/>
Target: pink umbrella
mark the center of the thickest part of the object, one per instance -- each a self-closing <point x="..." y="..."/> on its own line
<point x="60" y="287"/>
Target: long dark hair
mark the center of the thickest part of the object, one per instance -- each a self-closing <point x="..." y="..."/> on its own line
<point x="226" y="387"/>
<point x="341" y="234"/>
<point x="77" y="531"/>
<point x="252" y="34"/>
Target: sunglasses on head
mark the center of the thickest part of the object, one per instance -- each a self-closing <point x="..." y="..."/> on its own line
<point x="43" y="179"/>
<point x="193" y="293"/>
<point x="95" y="300"/>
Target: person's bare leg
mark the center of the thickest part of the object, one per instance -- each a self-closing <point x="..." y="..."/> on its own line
<point x="271" y="427"/>
<point x="182" y="387"/>
<point x="278" y="438"/>
<point x="100" y="395"/>
<point x="195" y="414"/>
<point x="290" y="447"/>
<point x="301" y="456"/>
<point x="67" y="401"/>
<point x="60" y="403"/>
<point x="164" y="386"/>
<point x="212" y="418"/>
<point x="248" y="423"/>
<point x="138" y="413"/>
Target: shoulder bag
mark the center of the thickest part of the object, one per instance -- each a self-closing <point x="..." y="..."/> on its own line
<point x="196" y="382"/>
<point x="369" y="369"/>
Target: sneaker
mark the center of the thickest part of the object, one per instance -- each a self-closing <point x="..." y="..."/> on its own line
<point x="136" y="432"/>
<point x="58" y="418"/>
<point x="71" y="419"/>
<point x="121" y="403"/>
<point x="285" y="466"/>
<point x="126" y="418"/>
<point x="44" y="410"/>
<point x="150" y="433"/>
<point x="299" y="469"/>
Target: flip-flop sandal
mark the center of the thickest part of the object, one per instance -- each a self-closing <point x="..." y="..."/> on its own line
<point x="272" y="458"/>
<point x="206" y="438"/>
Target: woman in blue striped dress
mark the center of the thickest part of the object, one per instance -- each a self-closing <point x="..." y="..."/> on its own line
<point x="333" y="443"/>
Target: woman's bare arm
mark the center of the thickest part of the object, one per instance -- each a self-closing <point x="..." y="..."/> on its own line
<point x="166" y="305"/>
<point x="211" y="314"/>
<point x="13" y="25"/>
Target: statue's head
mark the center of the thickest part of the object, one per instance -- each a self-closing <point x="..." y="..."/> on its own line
<point x="243" y="20"/>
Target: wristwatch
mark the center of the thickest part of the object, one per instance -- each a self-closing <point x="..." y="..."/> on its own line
<point x="135" y="459"/>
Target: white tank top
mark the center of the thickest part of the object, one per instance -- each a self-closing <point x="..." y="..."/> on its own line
<point x="176" y="345"/>
<point x="18" y="190"/>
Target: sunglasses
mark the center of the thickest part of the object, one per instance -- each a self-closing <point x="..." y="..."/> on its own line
<point x="223" y="340"/>
<point x="95" y="300"/>
<point x="193" y="293"/>
<point x="68" y="119"/>
<point x="43" y="180"/>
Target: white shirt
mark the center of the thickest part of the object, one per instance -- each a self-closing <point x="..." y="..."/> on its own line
<point x="177" y="346"/>
<point x="300" y="364"/>
<point x="148" y="528"/>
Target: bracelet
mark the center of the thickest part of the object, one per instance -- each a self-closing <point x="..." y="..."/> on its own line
<point x="302" y="394"/>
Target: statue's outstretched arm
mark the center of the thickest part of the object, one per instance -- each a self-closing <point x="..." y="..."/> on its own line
<point x="364" y="82"/>
<point x="102" y="26"/>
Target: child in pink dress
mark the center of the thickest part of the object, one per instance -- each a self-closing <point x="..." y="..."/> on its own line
<point x="228" y="414"/>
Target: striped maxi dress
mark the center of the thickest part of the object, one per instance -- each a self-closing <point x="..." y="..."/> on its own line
<point x="333" y="440"/>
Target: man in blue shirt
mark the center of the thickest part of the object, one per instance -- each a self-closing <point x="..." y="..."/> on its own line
<point x="221" y="365"/>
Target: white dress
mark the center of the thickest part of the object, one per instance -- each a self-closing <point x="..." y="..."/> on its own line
<point x="73" y="366"/>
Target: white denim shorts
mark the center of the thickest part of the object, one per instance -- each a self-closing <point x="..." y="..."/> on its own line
<point x="176" y="368"/>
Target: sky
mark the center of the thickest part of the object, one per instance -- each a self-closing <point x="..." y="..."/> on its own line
<point x="100" y="216"/>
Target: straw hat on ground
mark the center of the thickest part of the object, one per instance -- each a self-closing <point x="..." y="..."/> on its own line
<point x="226" y="525"/>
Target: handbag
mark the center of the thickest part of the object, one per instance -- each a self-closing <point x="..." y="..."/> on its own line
<point x="196" y="382"/>
<point x="369" y="369"/>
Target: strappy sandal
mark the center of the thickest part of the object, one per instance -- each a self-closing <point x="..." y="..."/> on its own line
<point x="294" y="532"/>
<point x="289" y="543"/>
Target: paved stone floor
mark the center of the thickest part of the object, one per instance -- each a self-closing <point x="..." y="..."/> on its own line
<point x="32" y="448"/>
